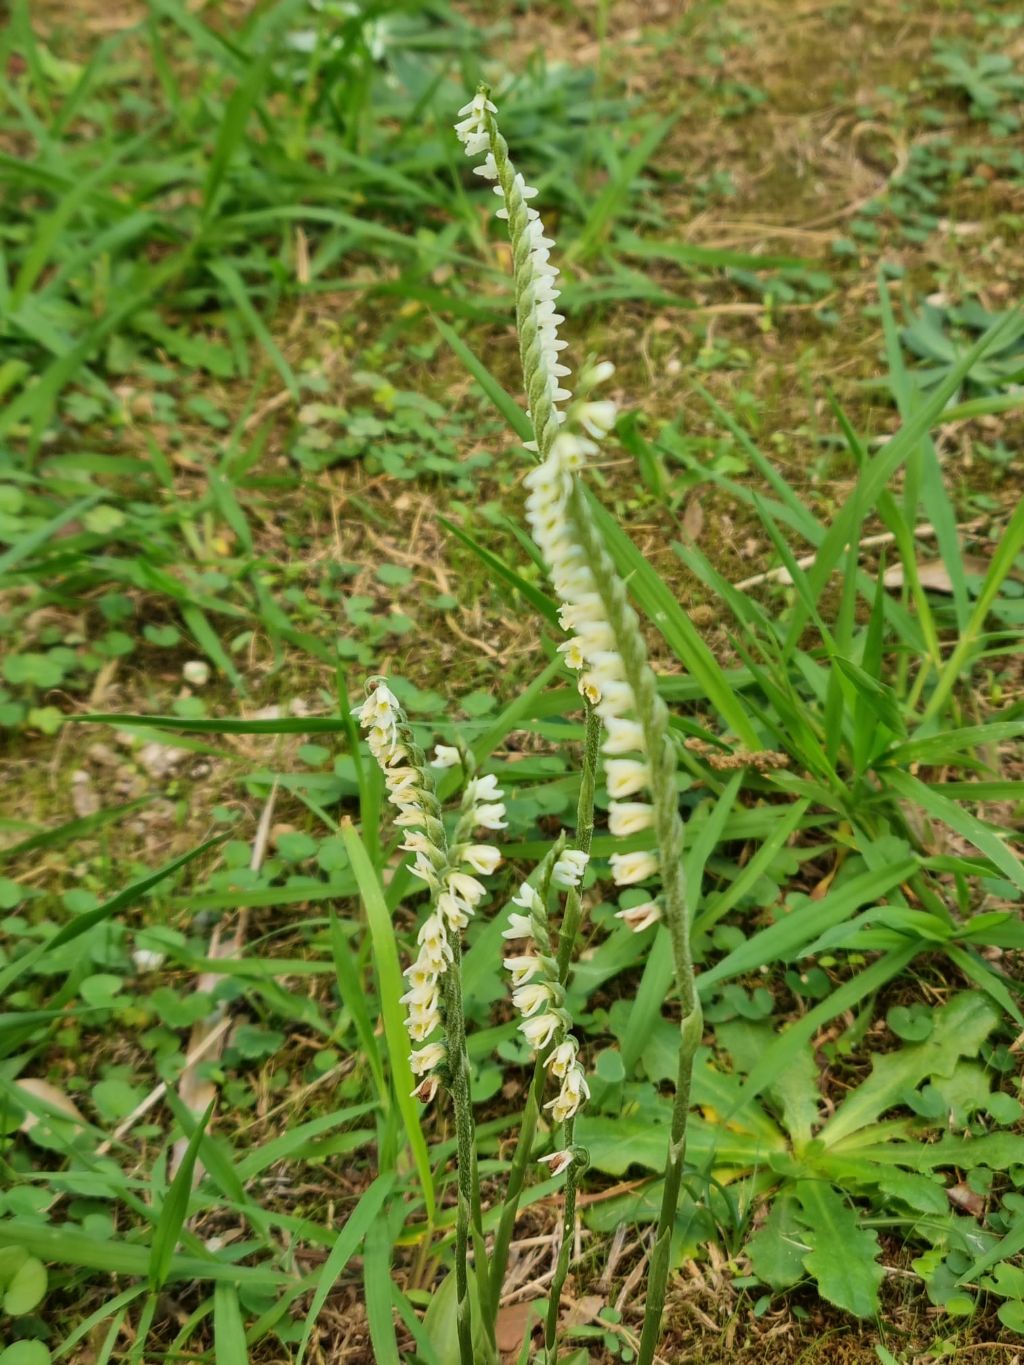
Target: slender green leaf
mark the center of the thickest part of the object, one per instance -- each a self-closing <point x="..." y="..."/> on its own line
<point x="389" y="985"/>
<point x="175" y="1208"/>
<point x="350" y="1238"/>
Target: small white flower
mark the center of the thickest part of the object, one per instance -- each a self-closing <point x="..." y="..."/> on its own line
<point x="640" y="917"/>
<point x="572" y="1094"/>
<point x="570" y="650"/>
<point x="409" y="816"/>
<point x="590" y="689"/>
<point x="445" y="756"/>
<point x="540" y="1029"/>
<point x="426" y="1058"/>
<point x="623" y="737"/>
<point x="148" y="959"/>
<point x="628" y="868"/>
<point x="519" y="926"/>
<point x="528" y="898"/>
<point x="456" y="912"/>
<point x="626" y="776"/>
<point x="532" y="997"/>
<point x="598" y="373"/>
<point x="421" y="1024"/>
<point x="629" y="817"/>
<point x="380" y="708"/>
<point x="616" y="697"/>
<point x="490" y="816"/>
<point x="466" y="888"/>
<point x="422" y="996"/>
<point x="598" y="417"/>
<point x="482" y="858"/>
<point x="558" y="1161"/>
<point x="432" y="932"/>
<point x="564" y="1056"/>
<point x="436" y="956"/>
<point x="482" y="789"/>
<point x="595" y="636"/>
<point x="422" y="867"/>
<point x="522" y="967"/>
<point x="586" y="609"/>
<point x="570" y="867"/>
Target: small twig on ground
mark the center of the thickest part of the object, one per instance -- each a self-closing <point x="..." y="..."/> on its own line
<point x="781" y="574"/>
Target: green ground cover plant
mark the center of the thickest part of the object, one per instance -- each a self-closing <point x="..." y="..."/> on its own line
<point x="210" y="1145"/>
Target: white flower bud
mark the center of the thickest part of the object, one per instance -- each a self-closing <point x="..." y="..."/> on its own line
<point x="530" y="998"/>
<point x="564" y="1056"/>
<point x="625" y="776"/>
<point x="628" y="868"/>
<point x="490" y="816"/>
<point x="519" y="926"/>
<point x="629" y="817"/>
<point x="426" y="1058"/>
<point x="570" y="867"/>
<point x="623" y="737"/>
<point x="522" y="967"/>
<point x="540" y="1029"/>
<point x="445" y="756"/>
<point x="482" y="858"/>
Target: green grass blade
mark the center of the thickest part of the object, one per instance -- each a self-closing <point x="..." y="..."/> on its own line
<point x="783" y="941"/>
<point x="209" y="642"/>
<point x="232" y="129"/>
<point x="540" y="601"/>
<point x="353" y="998"/>
<point x="377" y="1293"/>
<point x="506" y="405"/>
<point x="239" y="295"/>
<point x="85" y="921"/>
<point x="788" y="1046"/>
<point x="1009" y="547"/>
<point x="659" y="603"/>
<point x="389" y="986"/>
<point x="83" y="828"/>
<point x="349" y="1240"/>
<point x="229" y="1344"/>
<point x="968" y="826"/>
<point x="175" y="1208"/>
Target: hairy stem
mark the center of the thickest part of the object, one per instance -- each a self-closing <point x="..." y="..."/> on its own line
<point x="653" y="716"/>
<point x="564" y="1252"/>
<point x="566" y="939"/>
<point x="468" y="1209"/>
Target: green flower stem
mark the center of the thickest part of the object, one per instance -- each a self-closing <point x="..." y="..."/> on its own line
<point x="542" y="409"/>
<point x="468" y="1209"/>
<point x="653" y="716"/>
<point x="566" y="939"/>
<point x="564" y="1251"/>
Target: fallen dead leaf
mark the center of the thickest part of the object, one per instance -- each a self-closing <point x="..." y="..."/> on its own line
<point x="513" y="1322"/>
<point x="584" y="1310"/>
<point x="933" y="573"/>
<point x="967" y="1199"/>
<point x="693" y="518"/>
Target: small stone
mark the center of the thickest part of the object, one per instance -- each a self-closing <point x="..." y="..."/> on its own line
<point x="160" y="760"/>
<point x="196" y="672"/>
